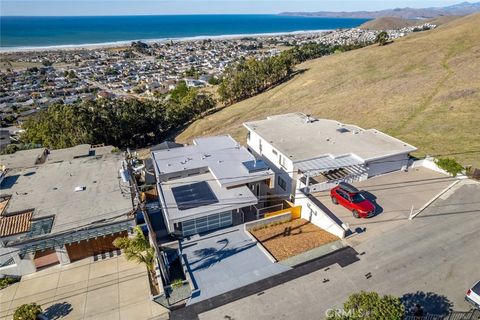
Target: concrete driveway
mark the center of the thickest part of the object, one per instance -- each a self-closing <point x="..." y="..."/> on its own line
<point x="432" y="260"/>
<point x="109" y="289"/>
<point x="224" y="260"/>
<point x="395" y="195"/>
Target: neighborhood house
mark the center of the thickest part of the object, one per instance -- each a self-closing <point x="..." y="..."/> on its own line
<point x="211" y="184"/>
<point x="316" y="154"/>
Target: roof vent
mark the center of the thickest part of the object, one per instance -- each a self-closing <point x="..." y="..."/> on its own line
<point x="309" y="119"/>
<point x="343" y="130"/>
<point x="80" y="188"/>
<point x="255" y="166"/>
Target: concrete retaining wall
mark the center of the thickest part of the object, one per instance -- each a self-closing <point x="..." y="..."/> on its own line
<point x="312" y="211"/>
<point x="284" y="217"/>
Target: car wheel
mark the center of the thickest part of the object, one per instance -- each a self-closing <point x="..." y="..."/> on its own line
<point x="334" y="200"/>
<point x="355" y="213"/>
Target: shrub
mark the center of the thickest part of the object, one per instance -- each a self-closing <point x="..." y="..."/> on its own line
<point x="177" y="283"/>
<point x="450" y="165"/>
<point x="27" y="312"/>
<point x="5" y="282"/>
<point x="369" y="306"/>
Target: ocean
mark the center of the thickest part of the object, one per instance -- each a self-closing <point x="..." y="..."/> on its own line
<point x="28" y="32"/>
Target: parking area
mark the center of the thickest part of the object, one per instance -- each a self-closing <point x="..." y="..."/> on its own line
<point x="109" y="289"/>
<point x="432" y="261"/>
<point x="224" y="260"/>
<point x="395" y="195"/>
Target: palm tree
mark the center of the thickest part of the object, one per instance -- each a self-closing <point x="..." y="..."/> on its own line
<point x="138" y="249"/>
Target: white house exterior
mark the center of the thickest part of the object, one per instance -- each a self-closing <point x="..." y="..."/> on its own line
<point x="318" y="153"/>
<point x="211" y="184"/>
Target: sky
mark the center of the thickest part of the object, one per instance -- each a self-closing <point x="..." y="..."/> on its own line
<point x="142" y="7"/>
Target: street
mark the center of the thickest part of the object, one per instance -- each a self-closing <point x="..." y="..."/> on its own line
<point x="431" y="260"/>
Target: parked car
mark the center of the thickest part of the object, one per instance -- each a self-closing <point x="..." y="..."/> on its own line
<point x="352" y="199"/>
<point x="473" y="295"/>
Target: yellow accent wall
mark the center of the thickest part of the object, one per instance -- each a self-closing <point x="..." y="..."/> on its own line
<point x="296" y="212"/>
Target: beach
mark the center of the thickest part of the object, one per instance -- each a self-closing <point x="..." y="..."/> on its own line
<point x="46" y="33"/>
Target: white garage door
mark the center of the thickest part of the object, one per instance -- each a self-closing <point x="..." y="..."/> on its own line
<point x="211" y="222"/>
<point x="386" y="165"/>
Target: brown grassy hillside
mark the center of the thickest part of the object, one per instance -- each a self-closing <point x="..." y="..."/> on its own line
<point x="392" y="23"/>
<point x="424" y="88"/>
<point x="389" y="23"/>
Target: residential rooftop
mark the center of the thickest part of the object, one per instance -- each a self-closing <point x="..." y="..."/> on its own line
<point x="76" y="192"/>
<point x="228" y="162"/>
<point x="300" y="137"/>
<point x="224" y="199"/>
<point x="33" y="157"/>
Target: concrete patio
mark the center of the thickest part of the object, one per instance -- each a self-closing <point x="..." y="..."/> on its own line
<point x="224" y="260"/>
<point x="109" y="289"/>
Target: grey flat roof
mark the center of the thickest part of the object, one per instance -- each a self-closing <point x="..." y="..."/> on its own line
<point x="227" y="198"/>
<point x="27" y="158"/>
<point x="221" y="155"/>
<point x="299" y="139"/>
<point x="50" y="190"/>
<point x="81" y="150"/>
<point x="21" y="159"/>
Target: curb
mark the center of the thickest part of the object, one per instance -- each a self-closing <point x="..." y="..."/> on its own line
<point x="434" y="198"/>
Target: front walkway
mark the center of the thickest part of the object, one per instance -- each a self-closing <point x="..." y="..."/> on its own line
<point x="107" y="289"/>
<point x="224" y="260"/>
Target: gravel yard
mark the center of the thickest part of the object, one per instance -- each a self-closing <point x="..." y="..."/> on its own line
<point x="291" y="238"/>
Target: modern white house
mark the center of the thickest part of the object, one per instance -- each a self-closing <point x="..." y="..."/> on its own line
<point x="211" y="184"/>
<point x="315" y="154"/>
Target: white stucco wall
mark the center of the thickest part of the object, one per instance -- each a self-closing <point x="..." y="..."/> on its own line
<point x="273" y="160"/>
<point x="313" y="213"/>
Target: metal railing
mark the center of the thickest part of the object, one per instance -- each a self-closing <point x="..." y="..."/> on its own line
<point x="262" y="211"/>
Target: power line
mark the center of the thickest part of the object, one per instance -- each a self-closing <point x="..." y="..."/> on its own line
<point x="260" y="199"/>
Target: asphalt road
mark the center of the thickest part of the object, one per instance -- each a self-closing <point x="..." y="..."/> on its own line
<point x="431" y="260"/>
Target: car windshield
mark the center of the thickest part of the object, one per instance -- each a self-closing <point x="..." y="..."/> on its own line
<point x="476" y="288"/>
<point x="357" y="197"/>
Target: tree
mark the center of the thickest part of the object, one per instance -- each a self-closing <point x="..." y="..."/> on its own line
<point x="47" y="63"/>
<point x="27" y="312"/>
<point x="118" y="122"/>
<point x="382" y="38"/>
<point x="137" y="249"/>
<point x="369" y="306"/>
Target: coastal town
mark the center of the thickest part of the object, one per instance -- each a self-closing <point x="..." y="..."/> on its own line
<point x="216" y="178"/>
<point x="32" y="80"/>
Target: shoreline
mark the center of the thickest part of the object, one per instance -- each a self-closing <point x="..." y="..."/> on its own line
<point x="126" y="43"/>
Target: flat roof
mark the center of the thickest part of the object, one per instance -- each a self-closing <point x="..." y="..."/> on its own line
<point x="226" y="198"/>
<point x="221" y="155"/>
<point x="21" y="159"/>
<point x="49" y="189"/>
<point x="28" y="158"/>
<point x="300" y="138"/>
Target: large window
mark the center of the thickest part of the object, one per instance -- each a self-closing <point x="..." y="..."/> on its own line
<point x="282" y="183"/>
<point x="203" y="224"/>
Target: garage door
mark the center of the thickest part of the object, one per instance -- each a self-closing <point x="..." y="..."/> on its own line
<point x="45" y="258"/>
<point x="211" y="222"/>
<point x="386" y="165"/>
<point x="88" y="248"/>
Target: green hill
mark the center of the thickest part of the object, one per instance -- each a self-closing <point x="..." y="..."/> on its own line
<point x="424" y="89"/>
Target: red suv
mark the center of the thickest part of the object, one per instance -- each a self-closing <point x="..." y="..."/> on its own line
<point x="352" y="199"/>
